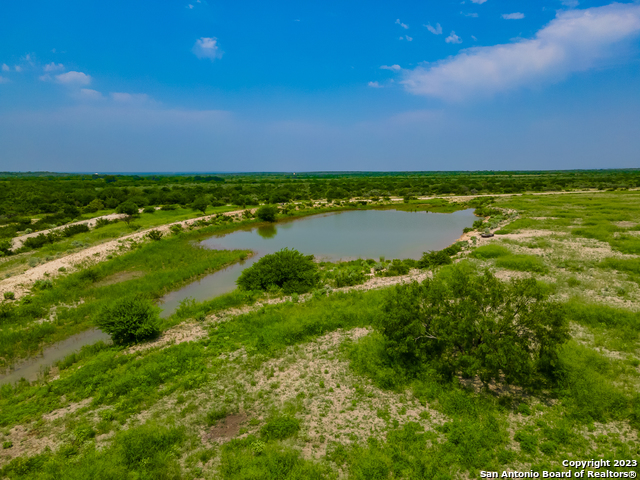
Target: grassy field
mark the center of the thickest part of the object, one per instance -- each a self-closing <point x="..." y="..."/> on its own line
<point x="306" y="388"/>
<point x="17" y="264"/>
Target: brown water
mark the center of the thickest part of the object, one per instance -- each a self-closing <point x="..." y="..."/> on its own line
<point x="335" y="236"/>
<point x="32" y="368"/>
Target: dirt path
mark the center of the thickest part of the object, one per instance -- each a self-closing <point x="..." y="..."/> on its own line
<point x="91" y="222"/>
<point x="18" y="241"/>
<point x="20" y="284"/>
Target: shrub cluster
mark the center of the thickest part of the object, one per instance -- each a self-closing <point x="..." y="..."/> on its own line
<point x="470" y="324"/>
<point x="129" y="320"/>
<point x="287" y="269"/>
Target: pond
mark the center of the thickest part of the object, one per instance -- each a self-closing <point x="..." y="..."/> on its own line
<point x="336" y="236"/>
<point x="30" y="369"/>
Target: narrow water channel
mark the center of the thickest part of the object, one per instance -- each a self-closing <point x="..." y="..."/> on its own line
<point x="30" y="369"/>
<point x="332" y="237"/>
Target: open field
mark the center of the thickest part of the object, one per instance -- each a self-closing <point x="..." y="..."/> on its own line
<point x="253" y="385"/>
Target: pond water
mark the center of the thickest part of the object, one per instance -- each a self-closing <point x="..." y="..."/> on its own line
<point x="332" y="237"/>
<point x="31" y="368"/>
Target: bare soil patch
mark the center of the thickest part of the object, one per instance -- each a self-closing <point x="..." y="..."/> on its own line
<point x="118" y="278"/>
<point x="185" y="332"/>
<point x="227" y="428"/>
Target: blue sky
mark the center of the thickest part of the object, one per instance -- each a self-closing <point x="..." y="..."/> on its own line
<point x="335" y="85"/>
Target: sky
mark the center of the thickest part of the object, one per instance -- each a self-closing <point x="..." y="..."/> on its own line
<point x="213" y="86"/>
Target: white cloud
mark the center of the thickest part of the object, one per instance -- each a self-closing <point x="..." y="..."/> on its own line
<point x="3" y="80"/>
<point x="398" y="22"/>
<point x="570" y="3"/>
<point x="74" y="78"/>
<point x="474" y="38"/>
<point x="473" y="15"/>
<point x="395" y="68"/>
<point x="190" y="7"/>
<point x="53" y="67"/>
<point x="133" y="98"/>
<point x="513" y="16"/>
<point x="479" y="2"/>
<point x="409" y="39"/>
<point x="5" y="67"/>
<point x="374" y="85"/>
<point x="437" y="30"/>
<point x="18" y="68"/>
<point x="576" y="40"/>
<point x="89" y="94"/>
<point x="207" y="47"/>
<point x="453" y="38"/>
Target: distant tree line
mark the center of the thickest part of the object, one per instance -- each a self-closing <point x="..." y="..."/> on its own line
<point x="62" y="198"/>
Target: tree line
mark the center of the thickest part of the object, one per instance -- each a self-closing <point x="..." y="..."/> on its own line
<point x="61" y="198"/>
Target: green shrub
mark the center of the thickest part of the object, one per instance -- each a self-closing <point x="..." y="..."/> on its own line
<point x="630" y="265"/>
<point x="280" y="427"/>
<point x="287" y="269"/>
<point x="586" y="387"/>
<point x="45" y="284"/>
<point x="145" y="452"/>
<point x="5" y="247"/>
<point x="522" y="263"/>
<point x="490" y="251"/>
<point x="200" y="204"/>
<point x="149" y="209"/>
<point x="573" y="282"/>
<point x="129" y="320"/>
<point x="462" y="323"/>
<point x="154" y="235"/>
<point x="396" y="268"/>
<point x="103" y="222"/>
<point x="214" y="415"/>
<point x="528" y="441"/>
<point x="250" y="458"/>
<point x="347" y="277"/>
<point x="267" y="213"/>
<point x="75" y="229"/>
<point x="434" y="259"/>
<point x="9" y="296"/>
<point x="128" y="208"/>
<point x="595" y="314"/>
<point x="40" y="240"/>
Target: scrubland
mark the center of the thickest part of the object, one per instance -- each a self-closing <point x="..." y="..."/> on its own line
<point x="305" y="385"/>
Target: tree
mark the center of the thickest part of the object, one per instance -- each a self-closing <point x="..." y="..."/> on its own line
<point x="287" y="269"/>
<point x="267" y="213"/>
<point x="5" y="247"/>
<point x="128" y="208"/>
<point x="129" y="320"/>
<point x="434" y="259"/>
<point x="469" y="324"/>
<point x="94" y="205"/>
<point x="200" y="204"/>
<point x="280" y="196"/>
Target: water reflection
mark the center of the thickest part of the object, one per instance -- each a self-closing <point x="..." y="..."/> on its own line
<point x="267" y="231"/>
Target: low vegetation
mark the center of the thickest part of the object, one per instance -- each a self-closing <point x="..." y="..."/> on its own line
<point x="515" y="353"/>
<point x="129" y="320"/>
<point x="287" y="269"/>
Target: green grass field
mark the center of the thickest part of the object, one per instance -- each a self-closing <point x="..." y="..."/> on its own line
<point x="307" y="389"/>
